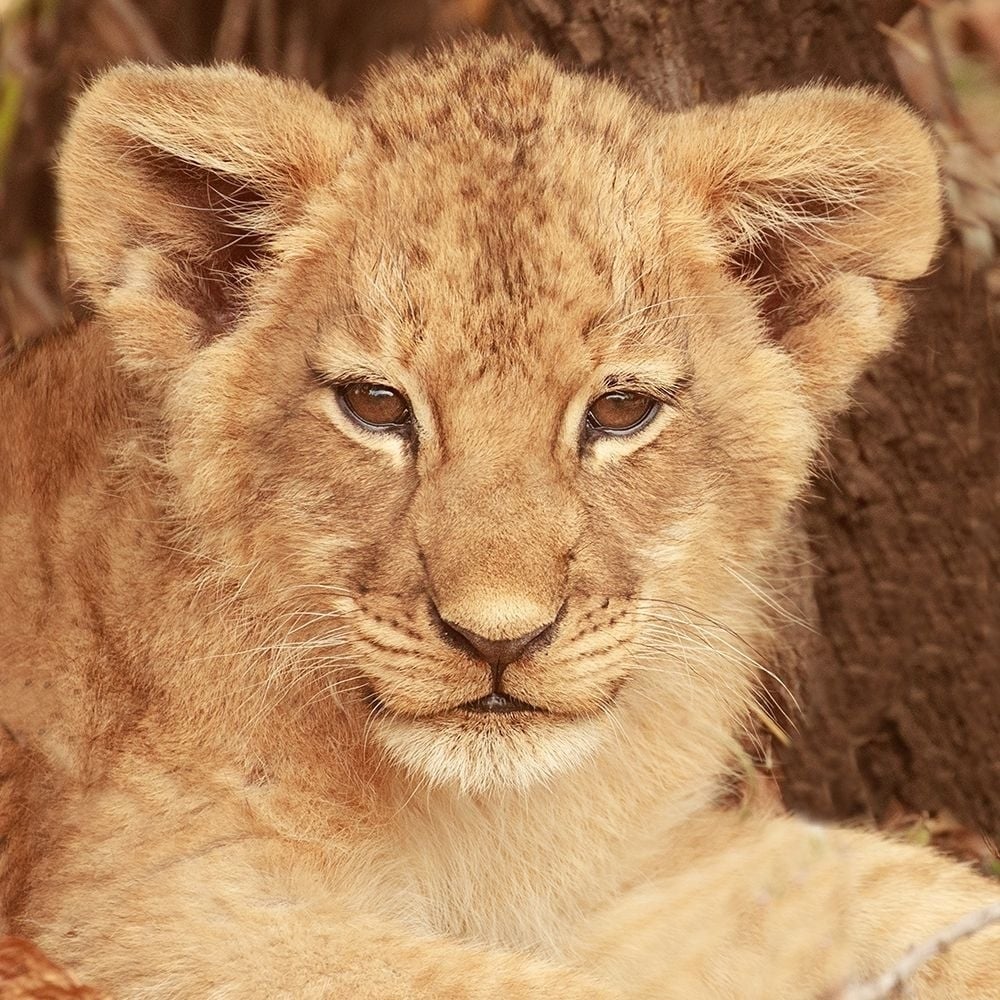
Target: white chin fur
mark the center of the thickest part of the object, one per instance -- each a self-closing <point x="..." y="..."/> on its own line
<point x="482" y="754"/>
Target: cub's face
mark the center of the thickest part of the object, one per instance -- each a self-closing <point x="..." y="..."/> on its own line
<point x="486" y="420"/>
<point x="492" y="392"/>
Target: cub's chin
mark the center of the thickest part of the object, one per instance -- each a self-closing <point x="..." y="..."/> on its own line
<point x="481" y="753"/>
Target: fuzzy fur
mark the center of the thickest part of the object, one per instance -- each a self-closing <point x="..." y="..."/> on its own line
<point x="234" y="764"/>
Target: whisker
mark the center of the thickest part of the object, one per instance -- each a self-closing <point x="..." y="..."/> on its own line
<point x="769" y="601"/>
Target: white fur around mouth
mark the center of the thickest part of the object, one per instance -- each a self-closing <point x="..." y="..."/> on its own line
<point x="488" y="752"/>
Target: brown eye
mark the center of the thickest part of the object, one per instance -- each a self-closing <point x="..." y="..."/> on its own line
<point x="376" y="406"/>
<point x="620" y="413"/>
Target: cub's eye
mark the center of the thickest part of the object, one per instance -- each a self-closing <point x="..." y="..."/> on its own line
<point x="620" y="413"/>
<point x="376" y="407"/>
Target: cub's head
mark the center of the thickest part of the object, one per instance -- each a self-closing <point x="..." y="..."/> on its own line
<point x="486" y="396"/>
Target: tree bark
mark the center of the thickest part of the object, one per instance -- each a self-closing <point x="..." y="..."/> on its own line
<point x="901" y="692"/>
<point x="680" y="52"/>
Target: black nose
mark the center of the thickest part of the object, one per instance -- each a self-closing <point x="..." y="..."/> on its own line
<point x="497" y="652"/>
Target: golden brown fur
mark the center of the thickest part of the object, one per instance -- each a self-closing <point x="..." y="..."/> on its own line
<point x="236" y="766"/>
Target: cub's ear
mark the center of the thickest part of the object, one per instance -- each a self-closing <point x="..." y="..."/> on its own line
<point x="821" y="198"/>
<point x="175" y="185"/>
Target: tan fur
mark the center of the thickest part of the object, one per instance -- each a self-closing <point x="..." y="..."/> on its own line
<point x="236" y="767"/>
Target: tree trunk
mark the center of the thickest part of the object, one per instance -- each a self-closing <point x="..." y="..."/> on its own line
<point x="901" y="696"/>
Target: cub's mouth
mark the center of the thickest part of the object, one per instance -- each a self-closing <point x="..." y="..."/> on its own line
<point x="493" y="703"/>
<point x="499" y="703"/>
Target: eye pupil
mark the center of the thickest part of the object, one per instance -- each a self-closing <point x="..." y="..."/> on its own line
<point x="620" y="412"/>
<point x="375" y="405"/>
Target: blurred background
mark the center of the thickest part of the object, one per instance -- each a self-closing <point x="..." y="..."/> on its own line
<point x="899" y="680"/>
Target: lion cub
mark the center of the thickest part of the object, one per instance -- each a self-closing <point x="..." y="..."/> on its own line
<point x="375" y="622"/>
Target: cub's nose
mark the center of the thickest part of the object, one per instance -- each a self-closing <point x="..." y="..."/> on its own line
<point x="497" y="652"/>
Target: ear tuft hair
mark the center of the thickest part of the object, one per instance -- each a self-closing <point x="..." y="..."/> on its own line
<point x="821" y="199"/>
<point x="808" y="183"/>
<point x="181" y="179"/>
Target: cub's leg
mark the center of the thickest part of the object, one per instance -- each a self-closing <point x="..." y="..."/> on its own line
<point x="156" y="897"/>
<point x="780" y="909"/>
<point x="192" y="931"/>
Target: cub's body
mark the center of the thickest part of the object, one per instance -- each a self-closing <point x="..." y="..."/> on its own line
<point x="239" y="750"/>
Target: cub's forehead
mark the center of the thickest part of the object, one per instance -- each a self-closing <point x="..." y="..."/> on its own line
<point x="471" y="143"/>
<point x="504" y="212"/>
<point x="511" y="285"/>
